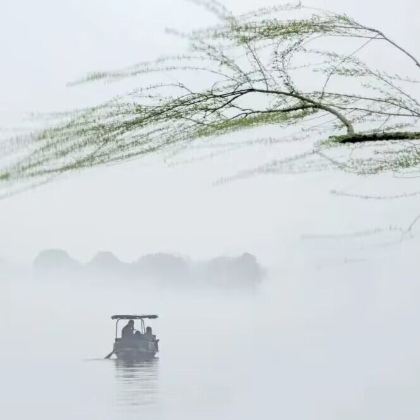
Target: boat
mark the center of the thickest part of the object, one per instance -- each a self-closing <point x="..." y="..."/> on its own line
<point x="139" y="345"/>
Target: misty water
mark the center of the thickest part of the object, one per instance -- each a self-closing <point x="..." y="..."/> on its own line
<point x="329" y="344"/>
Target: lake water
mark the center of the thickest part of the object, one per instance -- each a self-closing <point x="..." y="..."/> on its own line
<point x="296" y="348"/>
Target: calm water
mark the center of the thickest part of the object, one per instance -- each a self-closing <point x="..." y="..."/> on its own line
<point x="295" y="349"/>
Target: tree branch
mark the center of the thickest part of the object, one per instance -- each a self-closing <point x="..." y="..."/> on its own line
<point x="372" y="137"/>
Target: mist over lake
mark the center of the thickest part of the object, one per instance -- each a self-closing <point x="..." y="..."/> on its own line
<point x="332" y="337"/>
<point x="277" y="244"/>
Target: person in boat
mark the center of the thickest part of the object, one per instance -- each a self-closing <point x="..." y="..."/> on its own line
<point x="149" y="334"/>
<point x="128" y="330"/>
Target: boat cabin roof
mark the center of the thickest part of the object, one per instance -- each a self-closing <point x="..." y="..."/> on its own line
<point x="134" y="316"/>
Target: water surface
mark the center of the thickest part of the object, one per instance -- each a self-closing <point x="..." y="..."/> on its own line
<point x="297" y="348"/>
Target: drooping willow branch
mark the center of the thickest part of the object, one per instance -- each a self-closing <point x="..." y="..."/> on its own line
<point x="278" y="66"/>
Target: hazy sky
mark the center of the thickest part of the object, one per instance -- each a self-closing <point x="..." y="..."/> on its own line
<point x="147" y="206"/>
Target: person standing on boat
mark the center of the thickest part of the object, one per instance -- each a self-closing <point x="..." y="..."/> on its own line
<point x="149" y="333"/>
<point x="128" y="330"/>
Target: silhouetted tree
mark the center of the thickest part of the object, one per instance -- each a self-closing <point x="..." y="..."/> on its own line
<point x="260" y="69"/>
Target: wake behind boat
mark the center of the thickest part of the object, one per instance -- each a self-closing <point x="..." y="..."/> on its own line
<point x="132" y="343"/>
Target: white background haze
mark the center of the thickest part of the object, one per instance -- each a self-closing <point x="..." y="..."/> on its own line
<point x="145" y="205"/>
<point x="331" y="334"/>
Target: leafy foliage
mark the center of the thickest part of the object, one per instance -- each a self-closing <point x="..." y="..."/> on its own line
<point x="276" y="66"/>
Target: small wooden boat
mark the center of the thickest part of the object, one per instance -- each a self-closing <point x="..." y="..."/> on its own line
<point x="139" y="344"/>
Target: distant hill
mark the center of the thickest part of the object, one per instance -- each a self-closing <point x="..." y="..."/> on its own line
<point x="159" y="268"/>
<point x="55" y="260"/>
<point x="231" y="271"/>
<point x="162" y="267"/>
<point x="106" y="263"/>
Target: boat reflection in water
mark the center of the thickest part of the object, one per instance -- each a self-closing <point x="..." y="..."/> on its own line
<point x="137" y="382"/>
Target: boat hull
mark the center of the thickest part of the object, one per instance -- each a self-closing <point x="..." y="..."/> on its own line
<point x="133" y="354"/>
<point x="131" y="350"/>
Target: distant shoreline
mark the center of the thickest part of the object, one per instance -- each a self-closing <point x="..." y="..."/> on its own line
<point x="159" y="268"/>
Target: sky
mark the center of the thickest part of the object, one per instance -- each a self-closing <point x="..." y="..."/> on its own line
<point x="155" y="205"/>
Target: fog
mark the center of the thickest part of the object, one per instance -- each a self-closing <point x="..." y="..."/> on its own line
<point x="329" y="333"/>
<point x="148" y="205"/>
<point x="339" y="342"/>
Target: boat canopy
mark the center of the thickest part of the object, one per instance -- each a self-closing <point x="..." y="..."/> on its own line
<point x="134" y="316"/>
